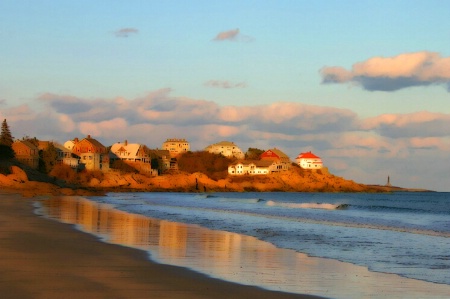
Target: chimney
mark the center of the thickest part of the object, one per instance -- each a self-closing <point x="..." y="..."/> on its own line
<point x="126" y="142"/>
<point x="75" y="140"/>
<point x="89" y="136"/>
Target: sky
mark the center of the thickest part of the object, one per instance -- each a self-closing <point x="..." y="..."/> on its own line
<point x="365" y="85"/>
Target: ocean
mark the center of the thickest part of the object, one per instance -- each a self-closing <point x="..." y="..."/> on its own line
<point x="386" y="236"/>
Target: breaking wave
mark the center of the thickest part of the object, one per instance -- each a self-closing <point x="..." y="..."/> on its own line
<point x="308" y="205"/>
<point x="242" y="200"/>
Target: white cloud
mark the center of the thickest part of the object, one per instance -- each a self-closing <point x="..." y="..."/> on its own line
<point x="393" y="73"/>
<point x="418" y="124"/>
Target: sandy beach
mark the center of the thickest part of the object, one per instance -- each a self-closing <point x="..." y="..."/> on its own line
<point x="41" y="258"/>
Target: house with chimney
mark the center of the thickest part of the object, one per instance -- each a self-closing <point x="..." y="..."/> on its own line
<point x="93" y="155"/>
<point x="133" y="154"/>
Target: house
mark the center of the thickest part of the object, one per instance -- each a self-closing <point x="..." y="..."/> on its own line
<point x="226" y="148"/>
<point x="309" y="161"/>
<point x="64" y="155"/>
<point x="26" y="153"/>
<point x="93" y="155"/>
<point x="281" y="159"/>
<point x="162" y="161"/>
<point x="133" y="154"/>
<point x="252" y="167"/>
<point x="176" y="146"/>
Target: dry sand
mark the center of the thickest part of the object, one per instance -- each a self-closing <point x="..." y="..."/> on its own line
<point x="41" y="258"/>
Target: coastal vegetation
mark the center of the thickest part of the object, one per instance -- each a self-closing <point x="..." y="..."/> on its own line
<point x="213" y="165"/>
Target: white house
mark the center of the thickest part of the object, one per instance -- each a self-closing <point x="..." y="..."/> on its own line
<point x="133" y="154"/>
<point x="65" y="155"/>
<point x="252" y="167"/>
<point x="226" y="148"/>
<point x="309" y="161"/>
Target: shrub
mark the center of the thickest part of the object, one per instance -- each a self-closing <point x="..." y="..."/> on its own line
<point x="213" y="165"/>
<point x="64" y="172"/>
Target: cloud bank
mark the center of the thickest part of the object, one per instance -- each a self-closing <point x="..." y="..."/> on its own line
<point x="125" y="32"/>
<point x="365" y="150"/>
<point x="393" y="73"/>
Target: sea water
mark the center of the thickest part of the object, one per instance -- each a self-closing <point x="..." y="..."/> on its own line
<point x="402" y="233"/>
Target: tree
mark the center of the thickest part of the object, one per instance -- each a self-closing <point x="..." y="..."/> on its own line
<point x="48" y="158"/>
<point x="6" y="141"/>
<point x="5" y="136"/>
<point x="215" y="166"/>
<point x="6" y="152"/>
<point x="253" y="153"/>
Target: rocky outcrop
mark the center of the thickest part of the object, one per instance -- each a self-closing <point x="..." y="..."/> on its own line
<point x="295" y="180"/>
<point x="289" y="181"/>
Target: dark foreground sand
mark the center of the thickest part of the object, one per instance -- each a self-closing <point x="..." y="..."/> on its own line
<point x="41" y="258"/>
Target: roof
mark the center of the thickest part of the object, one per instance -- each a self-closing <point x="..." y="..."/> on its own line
<point x="158" y="152"/>
<point x="225" y="143"/>
<point x="263" y="163"/>
<point x="94" y="142"/>
<point x="274" y="153"/>
<point x="131" y="148"/>
<point x="307" y="155"/>
<point x="27" y="143"/>
<point x="258" y="163"/>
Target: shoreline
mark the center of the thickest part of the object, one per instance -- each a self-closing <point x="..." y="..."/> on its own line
<point x="42" y="258"/>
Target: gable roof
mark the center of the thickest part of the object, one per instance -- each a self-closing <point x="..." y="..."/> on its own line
<point x="27" y="144"/>
<point x="94" y="142"/>
<point x="133" y="149"/>
<point x="87" y="143"/>
<point x="274" y="153"/>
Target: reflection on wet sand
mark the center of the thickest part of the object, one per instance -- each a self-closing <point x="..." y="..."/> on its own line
<point x="234" y="257"/>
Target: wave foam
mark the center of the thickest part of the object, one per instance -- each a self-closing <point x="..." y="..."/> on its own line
<point x="323" y="206"/>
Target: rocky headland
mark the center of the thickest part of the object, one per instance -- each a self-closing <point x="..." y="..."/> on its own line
<point x="32" y="183"/>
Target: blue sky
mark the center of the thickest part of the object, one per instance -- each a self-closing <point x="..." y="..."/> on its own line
<point x="364" y="84"/>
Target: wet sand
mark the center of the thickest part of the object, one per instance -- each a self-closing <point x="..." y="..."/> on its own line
<point x="41" y="258"/>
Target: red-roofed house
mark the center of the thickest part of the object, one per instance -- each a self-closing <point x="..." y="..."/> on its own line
<point x="309" y="161"/>
<point x="281" y="159"/>
<point x="93" y="154"/>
